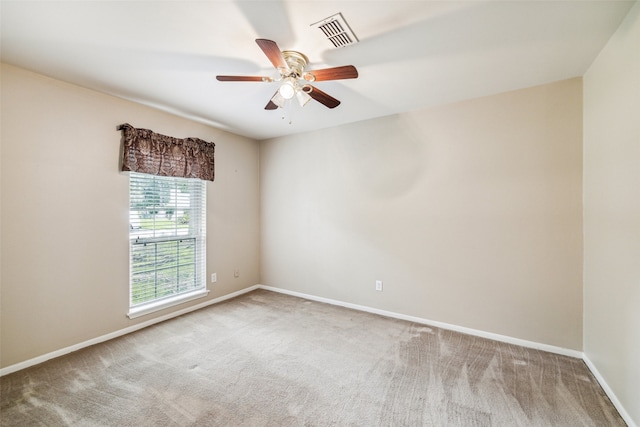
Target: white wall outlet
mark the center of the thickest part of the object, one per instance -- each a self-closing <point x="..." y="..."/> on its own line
<point x="379" y="285"/>
<point x="236" y="273"/>
<point x="214" y="277"/>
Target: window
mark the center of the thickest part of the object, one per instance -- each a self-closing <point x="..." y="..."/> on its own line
<point x="166" y="241"/>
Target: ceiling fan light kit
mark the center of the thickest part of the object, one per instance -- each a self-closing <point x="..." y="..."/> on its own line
<point x="302" y="97"/>
<point x="294" y="80"/>
<point x="288" y="88"/>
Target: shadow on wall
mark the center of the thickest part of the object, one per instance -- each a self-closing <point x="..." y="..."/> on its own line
<point x="387" y="158"/>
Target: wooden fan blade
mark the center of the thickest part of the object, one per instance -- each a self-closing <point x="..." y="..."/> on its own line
<point x="271" y="106"/>
<point x="335" y="73"/>
<point x="271" y="49"/>
<point x="244" y="79"/>
<point x="327" y="100"/>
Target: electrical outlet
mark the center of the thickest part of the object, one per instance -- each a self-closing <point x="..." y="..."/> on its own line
<point x="379" y="285"/>
<point x="214" y="277"/>
<point x="236" y="273"/>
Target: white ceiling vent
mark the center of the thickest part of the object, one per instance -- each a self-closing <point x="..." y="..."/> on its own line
<point x="336" y="29"/>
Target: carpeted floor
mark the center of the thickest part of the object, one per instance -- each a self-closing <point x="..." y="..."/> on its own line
<point x="267" y="359"/>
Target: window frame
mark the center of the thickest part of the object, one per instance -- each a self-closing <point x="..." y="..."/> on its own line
<point x="156" y="235"/>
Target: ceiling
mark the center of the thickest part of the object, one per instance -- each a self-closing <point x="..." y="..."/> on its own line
<point x="411" y="54"/>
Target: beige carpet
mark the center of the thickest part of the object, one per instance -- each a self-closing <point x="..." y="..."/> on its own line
<point x="266" y="359"/>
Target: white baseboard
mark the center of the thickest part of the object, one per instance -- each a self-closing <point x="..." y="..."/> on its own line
<point x="476" y="332"/>
<point x="612" y="396"/>
<point x="497" y="337"/>
<point x="43" y="358"/>
<point x="37" y="360"/>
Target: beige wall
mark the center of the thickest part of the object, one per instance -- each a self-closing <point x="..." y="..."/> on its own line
<point x="612" y="213"/>
<point x="65" y="213"/>
<point x="471" y="213"/>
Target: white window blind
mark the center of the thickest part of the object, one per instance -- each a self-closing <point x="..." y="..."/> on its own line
<point x="167" y="236"/>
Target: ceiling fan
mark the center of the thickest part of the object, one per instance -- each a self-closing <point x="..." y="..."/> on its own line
<point x="296" y="82"/>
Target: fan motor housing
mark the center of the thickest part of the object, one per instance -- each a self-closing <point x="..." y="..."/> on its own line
<point x="296" y="61"/>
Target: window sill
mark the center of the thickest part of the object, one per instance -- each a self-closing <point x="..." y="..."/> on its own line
<point x="166" y="303"/>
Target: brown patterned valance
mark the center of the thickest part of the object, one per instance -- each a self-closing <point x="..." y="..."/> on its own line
<point x="148" y="152"/>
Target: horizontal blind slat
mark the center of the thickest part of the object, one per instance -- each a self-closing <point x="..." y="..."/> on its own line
<point x="167" y="237"/>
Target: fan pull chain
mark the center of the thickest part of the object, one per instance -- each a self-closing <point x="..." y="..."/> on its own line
<point x="288" y="110"/>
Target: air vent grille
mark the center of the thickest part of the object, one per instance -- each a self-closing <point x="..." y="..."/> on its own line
<point x="336" y="30"/>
